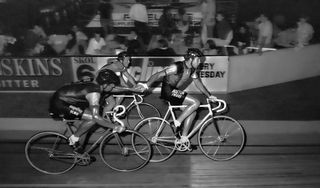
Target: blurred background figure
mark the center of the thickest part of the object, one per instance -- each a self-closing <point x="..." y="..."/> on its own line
<point x="138" y="13"/>
<point x="163" y="49"/>
<point x="167" y="24"/>
<point x="305" y="31"/>
<point x="96" y="43"/>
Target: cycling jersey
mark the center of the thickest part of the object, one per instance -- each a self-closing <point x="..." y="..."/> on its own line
<point x="71" y="100"/>
<point x="115" y="66"/>
<point x="178" y="76"/>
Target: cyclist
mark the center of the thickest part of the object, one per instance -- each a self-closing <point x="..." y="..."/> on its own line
<point x="120" y="67"/>
<point x="80" y="100"/>
<point x="175" y="77"/>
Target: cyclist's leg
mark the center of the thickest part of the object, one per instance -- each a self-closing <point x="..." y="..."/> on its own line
<point x="192" y="105"/>
<point x="110" y="104"/>
<point x="187" y="123"/>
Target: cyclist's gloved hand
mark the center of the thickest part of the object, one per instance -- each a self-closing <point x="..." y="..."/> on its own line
<point x="212" y="98"/>
<point x="142" y="86"/>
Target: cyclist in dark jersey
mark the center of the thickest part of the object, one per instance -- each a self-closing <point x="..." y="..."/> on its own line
<point x="120" y="67"/>
<point x="175" y="77"/>
<point x="80" y="100"/>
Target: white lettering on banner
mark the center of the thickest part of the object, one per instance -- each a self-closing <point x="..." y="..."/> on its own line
<point x="19" y="83"/>
<point x="30" y="67"/>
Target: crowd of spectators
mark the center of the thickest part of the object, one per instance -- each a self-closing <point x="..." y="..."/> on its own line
<point x="218" y="34"/>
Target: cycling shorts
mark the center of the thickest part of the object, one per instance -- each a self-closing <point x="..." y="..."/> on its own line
<point x="60" y="109"/>
<point x="175" y="97"/>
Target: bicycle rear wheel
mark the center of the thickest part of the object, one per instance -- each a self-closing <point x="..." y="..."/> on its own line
<point x="221" y="138"/>
<point x="163" y="144"/>
<point x="139" y="112"/>
<point x="125" y="152"/>
<point x="50" y="153"/>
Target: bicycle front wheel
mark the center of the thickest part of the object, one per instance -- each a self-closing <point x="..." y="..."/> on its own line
<point x="139" y="112"/>
<point x="50" y="153"/>
<point x="160" y="134"/>
<point x="125" y="152"/>
<point x="221" y="138"/>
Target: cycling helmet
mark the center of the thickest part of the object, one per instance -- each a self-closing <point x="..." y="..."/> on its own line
<point x="194" y="52"/>
<point x="122" y="55"/>
<point x="107" y="76"/>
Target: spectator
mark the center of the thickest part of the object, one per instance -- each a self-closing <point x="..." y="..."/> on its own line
<point x="304" y="31"/>
<point x="134" y="46"/>
<point x="210" y="48"/>
<point x="208" y="11"/>
<point x="34" y="40"/>
<point x="223" y="31"/>
<point x="106" y="8"/>
<point x="163" y="49"/>
<point x="59" y="42"/>
<point x="242" y="38"/>
<point x="265" y="31"/>
<point x="167" y="25"/>
<point x="183" y="21"/>
<point x="72" y="45"/>
<point x="138" y="13"/>
<point x="5" y="40"/>
<point x="96" y="43"/>
<point x="81" y="39"/>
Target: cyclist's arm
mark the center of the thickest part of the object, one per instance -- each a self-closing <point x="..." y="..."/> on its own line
<point x="130" y="78"/>
<point x="167" y="71"/>
<point x="93" y="99"/>
<point x="201" y="87"/>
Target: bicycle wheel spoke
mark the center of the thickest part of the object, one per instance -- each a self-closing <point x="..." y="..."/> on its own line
<point x="141" y="111"/>
<point x="221" y="138"/>
<point x="160" y="135"/>
<point x="49" y="153"/>
<point x="135" y="151"/>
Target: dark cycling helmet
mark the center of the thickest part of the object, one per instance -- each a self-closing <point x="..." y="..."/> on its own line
<point x="122" y="55"/>
<point x="107" y="76"/>
<point x="194" y="52"/>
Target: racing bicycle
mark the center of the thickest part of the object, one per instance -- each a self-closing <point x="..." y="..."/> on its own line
<point x="220" y="137"/>
<point x="49" y="152"/>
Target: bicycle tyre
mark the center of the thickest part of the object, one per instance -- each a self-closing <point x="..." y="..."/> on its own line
<point x="42" y="149"/>
<point x="139" y="112"/>
<point x="224" y="147"/>
<point x="132" y="154"/>
<point x="163" y="146"/>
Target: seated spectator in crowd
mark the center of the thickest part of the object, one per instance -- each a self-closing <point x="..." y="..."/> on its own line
<point x="59" y="42"/>
<point x="34" y="40"/>
<point x="305" y="31"/>
<point x="241" y="39"/>
<point x="167" y="25"/>
<point x="183" y="21"/>
<point x="265" y="31"/>
<point x="163" y="49"/>
<point x="286" y="38"/>
<point x="6" y="40"/>
<point x="223" y="31"/>
<point x="81" y="38"/>
<point x="134" y="45"/>
<point x="72" y="47"/>
<point x="210" y="48"/>
<point x="96" y="44"/>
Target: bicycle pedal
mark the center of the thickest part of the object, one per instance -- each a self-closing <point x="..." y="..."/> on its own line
<point x="192" y="147"/>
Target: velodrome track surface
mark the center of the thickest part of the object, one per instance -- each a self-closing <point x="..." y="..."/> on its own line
<point x="263" y="167"/>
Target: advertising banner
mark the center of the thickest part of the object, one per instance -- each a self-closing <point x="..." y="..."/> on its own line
<point x="214" y="72"/>
<point x="34" y="74"/>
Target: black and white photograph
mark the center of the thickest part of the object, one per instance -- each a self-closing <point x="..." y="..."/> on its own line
<point x="159" y="93"/>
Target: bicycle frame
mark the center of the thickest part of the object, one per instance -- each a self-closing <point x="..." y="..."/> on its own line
<point x="136" y="99"/>
<point x="219" y="108"/>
